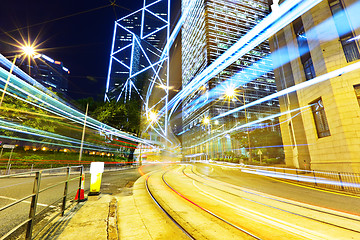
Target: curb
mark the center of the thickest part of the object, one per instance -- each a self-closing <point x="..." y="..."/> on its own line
<point x="112" y="226"/>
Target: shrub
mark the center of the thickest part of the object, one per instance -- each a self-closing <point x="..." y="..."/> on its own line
<point x="14" y="155"/>
<point x="32" y="157"/>
<point x="273" y="160"/>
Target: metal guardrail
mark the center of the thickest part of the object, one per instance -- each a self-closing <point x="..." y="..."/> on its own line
<point x="342" y="181"/>
<point x="33" y="213"/>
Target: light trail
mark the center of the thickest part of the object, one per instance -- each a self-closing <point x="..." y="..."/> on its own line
<point x="307" y="179"/>
<point x="31" y="113"/>
<point x="58" y="108"/>
<point x="40" y="133"/>
<point x="261" y="217"/>
<point x="286" y="13"/>
<point x="319" y="79"/>
<point x="170" y="42"/>
<point x="282" y="57"/>
<point x="249" y="124"/>
<point x="56" y="144"/>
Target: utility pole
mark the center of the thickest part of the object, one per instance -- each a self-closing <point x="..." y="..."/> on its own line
<point x="83" y="133"/>
<point x="246" y="121"/>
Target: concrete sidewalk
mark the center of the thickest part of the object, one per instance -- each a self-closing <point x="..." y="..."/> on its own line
<point x="124" y="216"/>
<point x="93" y="219"/>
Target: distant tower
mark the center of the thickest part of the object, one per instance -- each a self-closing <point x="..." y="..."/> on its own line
<point x="139" y="58"/>
<point x="49" y="72"/>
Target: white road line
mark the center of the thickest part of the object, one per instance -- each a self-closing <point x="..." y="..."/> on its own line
<point x="14" y="199"/>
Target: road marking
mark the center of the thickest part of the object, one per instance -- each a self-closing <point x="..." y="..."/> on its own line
<point x="14" y="199"/>
<point x="251" y="191"/>
<point x="300" y="185"/>
<point x="313" y="188"/>
<point x="264" y="218"/>
<point x="17" y="184"/>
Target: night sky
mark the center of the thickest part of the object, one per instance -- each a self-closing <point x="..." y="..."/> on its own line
<point x="81" y="41"/>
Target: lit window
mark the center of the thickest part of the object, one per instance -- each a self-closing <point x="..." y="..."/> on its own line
<point x="346" y="36"/>
<point x="320" y="119"/>
<point x="357" y="92"/>
<point x="304" y="50"/>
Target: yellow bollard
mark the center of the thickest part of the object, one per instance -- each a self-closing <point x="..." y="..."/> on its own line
<point x="96" y="170"/>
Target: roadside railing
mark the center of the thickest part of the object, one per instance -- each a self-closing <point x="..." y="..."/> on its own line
<point x="29" y="223"/>
<point x="19" y="167"/>
<point x="342" y="181"/>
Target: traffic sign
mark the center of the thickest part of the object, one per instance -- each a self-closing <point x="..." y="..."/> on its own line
<point x="8" y="146"/>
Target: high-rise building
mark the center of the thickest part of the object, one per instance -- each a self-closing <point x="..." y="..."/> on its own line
<point x="138" y="43"/>
<point x="211" y="28"/>
<point x="325" y="133"/>
<point x="48" y="72"/>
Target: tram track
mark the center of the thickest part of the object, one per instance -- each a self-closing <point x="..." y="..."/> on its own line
<point x="163" y="209"/>
<point x="203" y="209"/>
<point x="354" y="219"/>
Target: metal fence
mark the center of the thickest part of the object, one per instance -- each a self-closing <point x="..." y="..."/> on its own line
<point x="71" y="173"/>
<point x="342" y="181"/>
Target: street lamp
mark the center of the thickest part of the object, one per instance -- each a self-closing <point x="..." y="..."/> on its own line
<point x="28" y="51"/>
<point x="229" y="92"/>
<point x="152" y="116"/>
<point x="206" y="123"/>
<point x="246" y="121"/>
<point x="230" y="95"/>
<point x="206" y="120"/>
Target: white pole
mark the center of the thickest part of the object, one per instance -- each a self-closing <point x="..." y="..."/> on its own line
<point x="8" y="79"/>
<point x="83" y="133"/>
<point x="9" y="165"/>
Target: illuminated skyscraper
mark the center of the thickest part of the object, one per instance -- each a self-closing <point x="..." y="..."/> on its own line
<point x="138" y="44"/>
<point x="49" y="72"/>
<point x="212" y="27"/>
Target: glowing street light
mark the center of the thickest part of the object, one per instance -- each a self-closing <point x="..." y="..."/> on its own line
<point x="152" y="116"/>
<point x="230" y="92"/>
<point x="206" y="120"/>
<point x="28" y="51"/>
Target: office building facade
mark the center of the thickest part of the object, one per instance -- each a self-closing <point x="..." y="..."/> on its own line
<point x="325" y="133"/>
<point x="212" y="27"/>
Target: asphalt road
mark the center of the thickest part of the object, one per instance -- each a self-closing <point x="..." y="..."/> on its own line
<point x="252" y="206"/>
<point x="15" y="188"/>
<point x="340" y="202"/>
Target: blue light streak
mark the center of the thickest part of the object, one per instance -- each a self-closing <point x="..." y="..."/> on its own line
<point x="287" y="12"/>
<point x="238" y="79"/>
<point x="50" y="104"/>
<point x="307" y="179"/>
<point x="294" y="88"/>
<point x="248" y="125"/>
<point x="55" y="144"/>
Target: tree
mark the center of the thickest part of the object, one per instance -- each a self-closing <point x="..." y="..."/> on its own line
<point x="122" y="116"/>
<point x="269" y="141"/>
